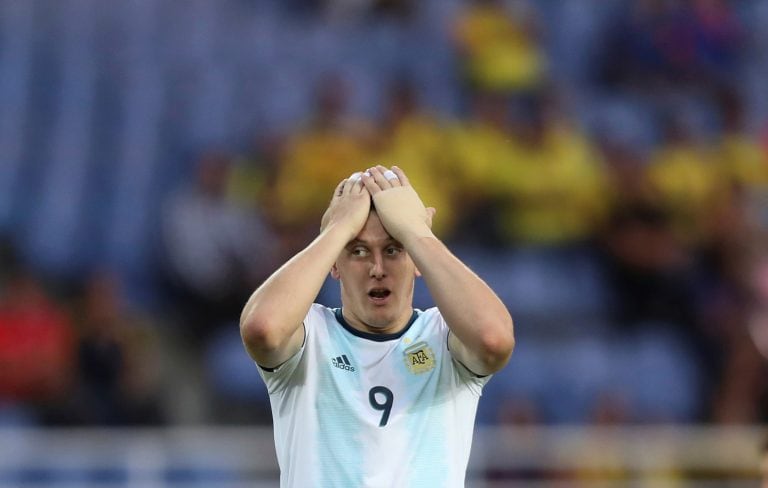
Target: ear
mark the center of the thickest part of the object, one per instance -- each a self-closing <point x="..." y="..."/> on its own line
<point x="335" y="272"/>
<point x="417" y="272"/>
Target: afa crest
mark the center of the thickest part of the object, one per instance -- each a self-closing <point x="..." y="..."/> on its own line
<point x="419" y="358"/>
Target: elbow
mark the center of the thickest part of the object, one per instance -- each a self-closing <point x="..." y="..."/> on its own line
<point x="257" y="334"/>
<point x="498" y="347"/>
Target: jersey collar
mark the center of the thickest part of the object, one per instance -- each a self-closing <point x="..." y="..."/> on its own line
<point x="371" y="336"/>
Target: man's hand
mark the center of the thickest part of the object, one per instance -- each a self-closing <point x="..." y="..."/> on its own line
<point x="399" y="207"/>
<point x="349" y="207"/>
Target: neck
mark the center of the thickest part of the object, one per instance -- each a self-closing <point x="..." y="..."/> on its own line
<point x="392" y="327"/>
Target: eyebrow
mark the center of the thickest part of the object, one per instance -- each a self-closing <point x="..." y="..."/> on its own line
<point x="359" y="242"/>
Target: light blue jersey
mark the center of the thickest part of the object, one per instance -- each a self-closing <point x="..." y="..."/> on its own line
<point x="354" y="409"/>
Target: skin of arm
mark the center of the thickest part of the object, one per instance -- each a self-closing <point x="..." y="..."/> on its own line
<point x="270" y="324"/>
<point x="482" y="331"/>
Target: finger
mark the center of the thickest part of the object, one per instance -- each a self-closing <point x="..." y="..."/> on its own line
<point x="370" y="183"/>
<point x="355" y="177"/>
<point x="339" y="189"/>
<point x="355" y="182"/>
<point x="377" y="172"/>
<point x="391" y="177"/>
<point x="348" y="185"/>
<point x="401" y="176"/>
<point x="359" y="186"/>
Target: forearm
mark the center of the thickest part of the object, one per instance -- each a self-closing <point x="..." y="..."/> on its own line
<point x="473" y="312"/>
<point x="277" y="308"/>
<point x="480" y="323"/>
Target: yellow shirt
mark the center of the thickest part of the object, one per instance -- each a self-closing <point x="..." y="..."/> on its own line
<point x="475" y="151"/>
<point x="417" y="146"/>
<point x="314" y="162"/>
<point x="499" y="53"/>
<point x="555" y="192"/>
<point x="689" y="184"/>
<point x="742" y="160"/>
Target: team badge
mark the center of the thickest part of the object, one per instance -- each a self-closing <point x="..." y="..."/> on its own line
<point x="420" y="358"/>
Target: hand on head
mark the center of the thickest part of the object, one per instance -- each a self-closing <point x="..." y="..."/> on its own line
<point x="398" y="205"/>
<point x="349" y="207"/>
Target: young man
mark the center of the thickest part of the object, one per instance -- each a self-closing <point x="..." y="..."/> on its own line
<point x="375" y="394"/>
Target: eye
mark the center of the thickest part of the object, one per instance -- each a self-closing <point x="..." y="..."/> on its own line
<point x="359" y="252"/>
<point x="392" y="251"/>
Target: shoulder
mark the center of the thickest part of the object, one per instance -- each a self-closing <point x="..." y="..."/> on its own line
<point x="320" y="313"/>
<point x="430" y="321"/>
<point x="431" y="315"/>
<point x="319" y="317"/>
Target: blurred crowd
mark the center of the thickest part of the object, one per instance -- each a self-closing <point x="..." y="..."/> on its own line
<point x="633" y="256"/>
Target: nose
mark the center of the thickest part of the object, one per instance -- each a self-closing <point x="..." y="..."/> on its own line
<point x="377" y="266"/>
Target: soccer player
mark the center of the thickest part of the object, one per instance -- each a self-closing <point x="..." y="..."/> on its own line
<point x="376" y="393"/>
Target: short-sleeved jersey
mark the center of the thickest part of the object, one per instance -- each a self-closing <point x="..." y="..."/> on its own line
<point x="354" y="409"/>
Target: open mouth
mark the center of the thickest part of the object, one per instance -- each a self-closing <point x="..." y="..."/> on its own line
<point x="379" y="294"/>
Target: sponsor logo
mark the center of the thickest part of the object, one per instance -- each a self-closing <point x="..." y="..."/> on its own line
<point x="342" y="362"/>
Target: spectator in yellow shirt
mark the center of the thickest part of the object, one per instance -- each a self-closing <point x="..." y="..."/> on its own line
<point x="476" y="148"/>
<point x="498" y="47"/>
<point x="328" y="148"/>
<point x="552" y="187"/>
<point x="414" y="139"/>
<point x="687" y="181"/>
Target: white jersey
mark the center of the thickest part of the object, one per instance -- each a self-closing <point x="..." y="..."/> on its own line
<point x="354" y="409"/>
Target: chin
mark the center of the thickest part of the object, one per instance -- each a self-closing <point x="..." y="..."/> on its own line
<point x="379" y="319"/>
<point x="378" y="322"/>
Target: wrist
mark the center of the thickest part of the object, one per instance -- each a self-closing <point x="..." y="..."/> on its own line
<point x="413" y="239"/>
<point x="338" y="230"/>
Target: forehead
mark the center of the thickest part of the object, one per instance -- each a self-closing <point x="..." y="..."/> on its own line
<point x="373" y="231"/>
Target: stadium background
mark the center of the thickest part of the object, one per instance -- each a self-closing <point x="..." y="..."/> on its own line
<point x="604" y="165"/>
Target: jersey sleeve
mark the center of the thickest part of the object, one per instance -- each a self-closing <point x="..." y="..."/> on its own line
<point x="473" y="381"/>
<point x="279" y="378"/>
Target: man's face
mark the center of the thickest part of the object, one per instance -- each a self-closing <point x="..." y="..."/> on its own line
<point x="377" y="278"/>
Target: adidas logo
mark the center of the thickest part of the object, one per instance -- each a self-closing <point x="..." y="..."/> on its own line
<point x="342" y="362"/>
